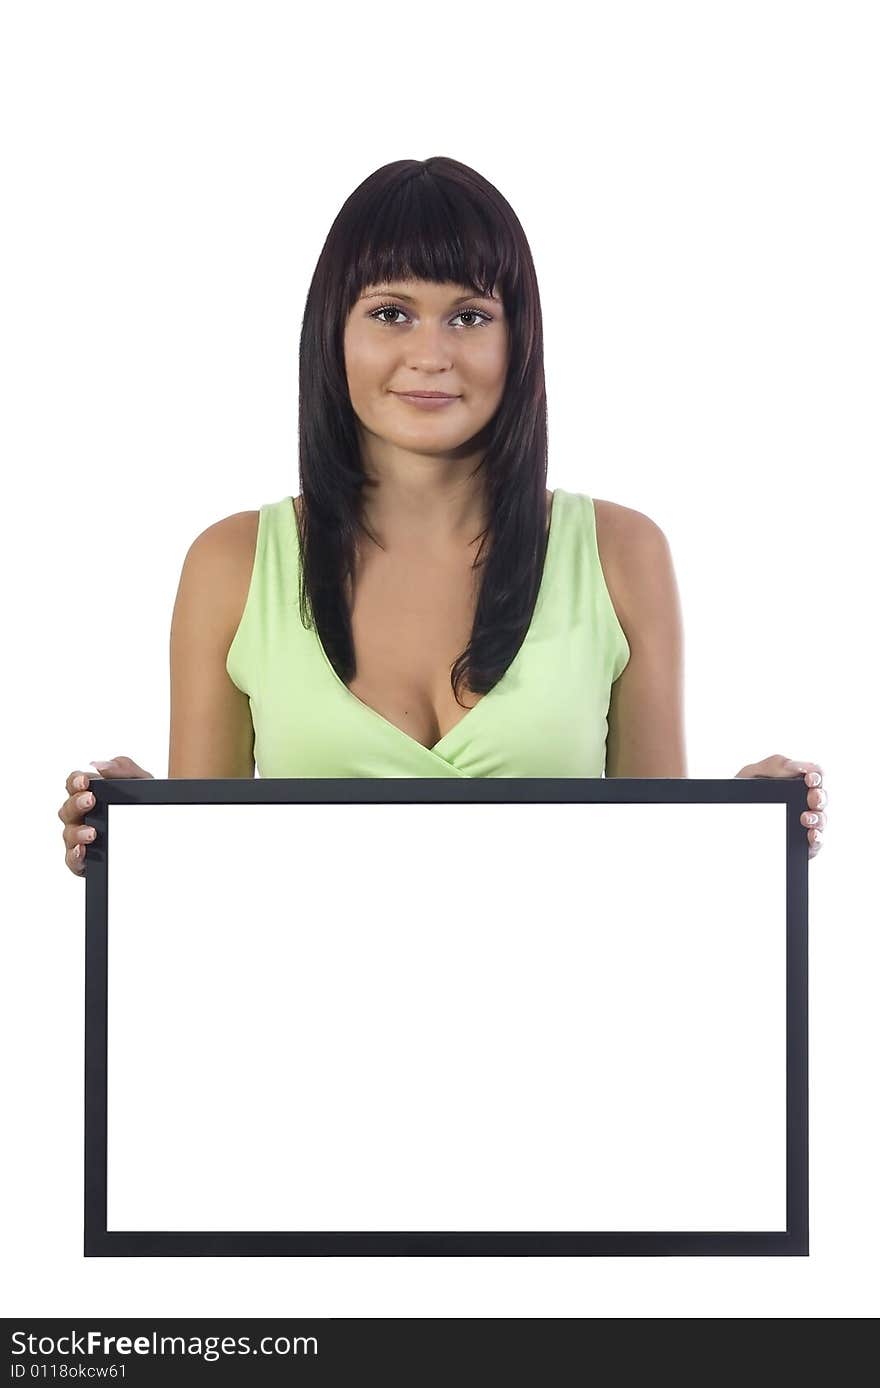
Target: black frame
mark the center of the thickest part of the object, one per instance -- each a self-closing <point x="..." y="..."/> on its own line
<point x="794" y="1240"/>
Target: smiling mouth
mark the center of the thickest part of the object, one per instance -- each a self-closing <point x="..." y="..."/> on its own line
<point x="426" y="403"/>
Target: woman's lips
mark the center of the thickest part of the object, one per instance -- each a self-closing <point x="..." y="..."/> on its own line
<point x="426" y="402"/>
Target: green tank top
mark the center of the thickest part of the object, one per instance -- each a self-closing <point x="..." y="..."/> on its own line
<point x="546" y="716"/>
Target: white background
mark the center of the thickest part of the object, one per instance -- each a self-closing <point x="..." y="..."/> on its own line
<point x="698" y="186"/>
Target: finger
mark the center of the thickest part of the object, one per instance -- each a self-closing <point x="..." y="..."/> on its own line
<point x="78" y="780"/>
<point x="76" y="806"/>
<point x="811" y="821"/>
<point x="75" y="833"/>
<point x="75" y="861"/>
<point x="817" y="798"/>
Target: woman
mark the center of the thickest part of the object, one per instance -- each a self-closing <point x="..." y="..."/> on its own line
<point x="426" y="607"/>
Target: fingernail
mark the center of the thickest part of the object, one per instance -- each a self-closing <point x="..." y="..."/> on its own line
<point x="102" y="765"/>
<point x="812" y="819"/>
<point x="814" y="778"/>
<point x="79" y="782"/>
<point x="75" y="853"/>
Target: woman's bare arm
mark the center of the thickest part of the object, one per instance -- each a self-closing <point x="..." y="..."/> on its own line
<point x="211" y="733"/>
<point x="646" y="734"/>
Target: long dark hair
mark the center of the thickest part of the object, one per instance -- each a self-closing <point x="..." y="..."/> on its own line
<point x="437" y="220"/>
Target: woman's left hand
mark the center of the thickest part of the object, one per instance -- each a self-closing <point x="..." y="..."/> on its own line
<point x="786" y="768"/>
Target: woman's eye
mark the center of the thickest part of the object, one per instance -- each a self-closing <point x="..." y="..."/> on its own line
<point x="475" y="312"/>
<point x="462" y="312"/>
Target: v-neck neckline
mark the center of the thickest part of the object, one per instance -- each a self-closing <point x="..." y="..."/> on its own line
<point x="549" y="558"/>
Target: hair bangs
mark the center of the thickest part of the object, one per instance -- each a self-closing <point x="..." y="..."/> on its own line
<point x="425" y="228"/>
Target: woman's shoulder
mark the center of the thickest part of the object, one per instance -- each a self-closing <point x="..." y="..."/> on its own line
<point x="228" y="544"/>
<point x="221" y="560"/>
<point x="630" y="544"/>
<point x="622" y="522"/>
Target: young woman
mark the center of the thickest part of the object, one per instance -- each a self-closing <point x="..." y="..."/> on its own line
<point x="425" y="606"/>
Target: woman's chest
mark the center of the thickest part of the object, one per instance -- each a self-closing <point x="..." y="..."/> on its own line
<point x="409" y="624"/>
<point x="411" y="618"/>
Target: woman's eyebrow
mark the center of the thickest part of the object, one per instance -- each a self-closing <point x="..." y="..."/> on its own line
<point x="382" y="293"/>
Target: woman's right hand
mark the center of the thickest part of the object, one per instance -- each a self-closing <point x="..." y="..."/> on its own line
<point x="80" y="800"/>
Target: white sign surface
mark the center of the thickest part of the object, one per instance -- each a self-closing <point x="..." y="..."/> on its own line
<point x="446" y="1017"/>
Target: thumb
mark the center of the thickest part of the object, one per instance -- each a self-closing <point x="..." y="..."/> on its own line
<point x="121" y="768"/>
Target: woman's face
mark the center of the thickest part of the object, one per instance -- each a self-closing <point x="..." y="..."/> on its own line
<point x="419" y="336"/>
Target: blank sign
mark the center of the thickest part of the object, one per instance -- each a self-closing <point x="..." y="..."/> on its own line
<point x="425" y="1017"/>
